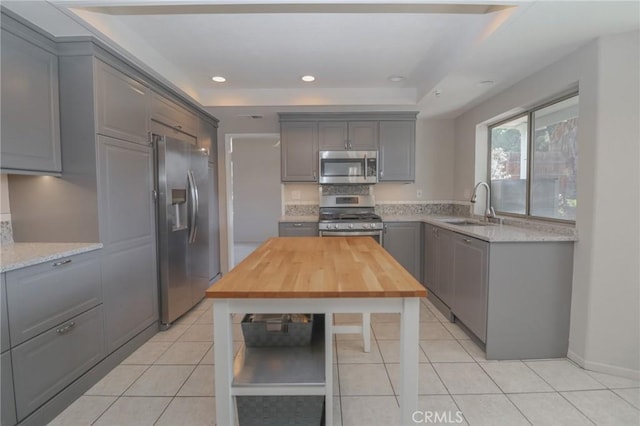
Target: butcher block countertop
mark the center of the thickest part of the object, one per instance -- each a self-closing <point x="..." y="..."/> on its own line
<point x="315" y="267"/>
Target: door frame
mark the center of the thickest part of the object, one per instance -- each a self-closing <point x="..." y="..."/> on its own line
<point x="228" y="139"/>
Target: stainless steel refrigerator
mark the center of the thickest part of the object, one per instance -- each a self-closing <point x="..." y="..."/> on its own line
<point x="183" y="240"/>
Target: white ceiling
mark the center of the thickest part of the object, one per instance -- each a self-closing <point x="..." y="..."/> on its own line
<point x="263" y="47"/>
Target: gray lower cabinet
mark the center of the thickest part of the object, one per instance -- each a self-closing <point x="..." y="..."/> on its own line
<point x="45" y="295"/>
<point x="299" y="151"/>
<point x="470" y="275"/>
<point x="437" y="268"/>
<point x="4" y="319"/>
<point x="30" y="111"/>
<point x="403" y="240"/>
<point x="122" y="104"/>
<point x="397" y="151"/>
<point x="298" y="229"/>
<point x="127" y="228"/>
<point x="7" y="401"/>
<point x="44" y="365"/>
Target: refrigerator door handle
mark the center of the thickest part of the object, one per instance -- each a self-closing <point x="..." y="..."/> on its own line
<point x="193" y="191"/>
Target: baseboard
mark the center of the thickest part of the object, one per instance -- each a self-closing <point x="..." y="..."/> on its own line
<point x="603" y="368"/>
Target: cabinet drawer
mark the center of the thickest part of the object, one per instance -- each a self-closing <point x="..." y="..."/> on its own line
<point x="298" y="229"/>
<point x="46" y="364"/>
<point x="173" y="115"/>
<point x="43" y="296"/>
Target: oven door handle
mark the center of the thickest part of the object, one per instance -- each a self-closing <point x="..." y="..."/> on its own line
<point x="350" y="233"/>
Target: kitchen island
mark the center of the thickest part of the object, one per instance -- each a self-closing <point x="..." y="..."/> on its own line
<point x="320" y="276"/>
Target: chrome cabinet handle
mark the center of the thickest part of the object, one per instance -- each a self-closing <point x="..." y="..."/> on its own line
<point x="314" y="174"/>
<point x="381" y="173"/>
<point x="297" y="225"/>
<point x="177" y="126"/>
<point x="62" y="262"/>
<point x="67" y="328"/>
<point x="466" y="240"/>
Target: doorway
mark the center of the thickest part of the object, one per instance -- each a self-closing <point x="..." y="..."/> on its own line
<point x="256" y="192"/>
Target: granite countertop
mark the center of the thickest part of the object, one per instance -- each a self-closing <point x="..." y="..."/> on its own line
<point x="20" y="255"/>
<point x="492" y="233"/>
<point x="312" y="218"/>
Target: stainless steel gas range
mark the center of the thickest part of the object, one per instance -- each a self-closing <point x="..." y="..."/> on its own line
<point x="349" y="215"/>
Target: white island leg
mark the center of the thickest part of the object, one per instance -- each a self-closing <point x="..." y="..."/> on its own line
<point x="409" y="325"/>
<point x="223" y="368"/>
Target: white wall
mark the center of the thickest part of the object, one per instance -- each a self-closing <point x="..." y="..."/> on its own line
<point x="605" y="309"/>
<point x="256" y="189"/>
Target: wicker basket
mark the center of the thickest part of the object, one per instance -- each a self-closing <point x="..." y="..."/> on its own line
<point x="277" y="330"/>
<point x="280" y="410"/>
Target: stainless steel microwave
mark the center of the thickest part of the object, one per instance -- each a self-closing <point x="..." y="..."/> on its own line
<point x="348" y="167"/>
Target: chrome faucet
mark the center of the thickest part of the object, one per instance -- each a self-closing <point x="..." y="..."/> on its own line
<point x="489" y="212"/>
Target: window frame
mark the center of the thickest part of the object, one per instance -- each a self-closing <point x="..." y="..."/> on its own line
<point x="529" y="114"/>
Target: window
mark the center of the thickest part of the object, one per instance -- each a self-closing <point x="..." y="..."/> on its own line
<point x="533" y="159"/>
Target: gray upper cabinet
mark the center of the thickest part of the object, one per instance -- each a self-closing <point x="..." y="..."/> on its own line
<point x="299" y="151"/>
<point x="470" y="276"/>
<point x="403" y="240"/>
<point x="298" y="229"/>
<point x="208" y="138"/>
<point x="348" y="135"/>
<point x="122" y="104"/>
<point x="30" y="111"/>
<point x="363" y="135"/>
<point x="170" y="113"/>
<point x="397" y="151"/>
<point x="333" y="135"/>
<point x="128" y="230"/>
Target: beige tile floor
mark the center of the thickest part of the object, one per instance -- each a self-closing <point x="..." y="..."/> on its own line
<point x="169" y="381"/>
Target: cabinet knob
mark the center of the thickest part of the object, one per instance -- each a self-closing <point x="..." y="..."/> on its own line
<point x="62" y="262"/>
<point x="381" y="173"/>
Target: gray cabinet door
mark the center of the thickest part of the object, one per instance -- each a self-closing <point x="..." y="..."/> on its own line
<point x="333" y="135"/>
<point x="127" y="229"/>
<point x="299" y="150"/>
<point x="122" y="105"/>
<point x="4" y="320"/>
<point x="363" y="135"/>
<point x="403" y="241"/>
<point x="170" y="113"/>
<point x="208" y="139"/>
<point x="397" y="151"/>
<point x="437" y="262"/>
<point x="45" y="295"/>
<point x="298" y="229"/>
<point x="30" y="111"/>
<point x="214" y="223"/>
<point x="470" y="276"/>
<point x="44" y="365"/>
<point x="7" y="400"/>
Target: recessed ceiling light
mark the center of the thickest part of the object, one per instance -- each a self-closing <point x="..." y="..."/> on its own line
<point x="308" y="78"/>
<point x="218" y="79"/>
<point x="396" y="78"/>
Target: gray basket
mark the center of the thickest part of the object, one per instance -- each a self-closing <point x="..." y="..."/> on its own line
<point x="277" y="330"/>
<point x="280" y="410"/>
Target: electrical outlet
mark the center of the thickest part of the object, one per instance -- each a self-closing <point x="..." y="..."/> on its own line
<point x="419" y="193"/>
<point x="295" y="195"/>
